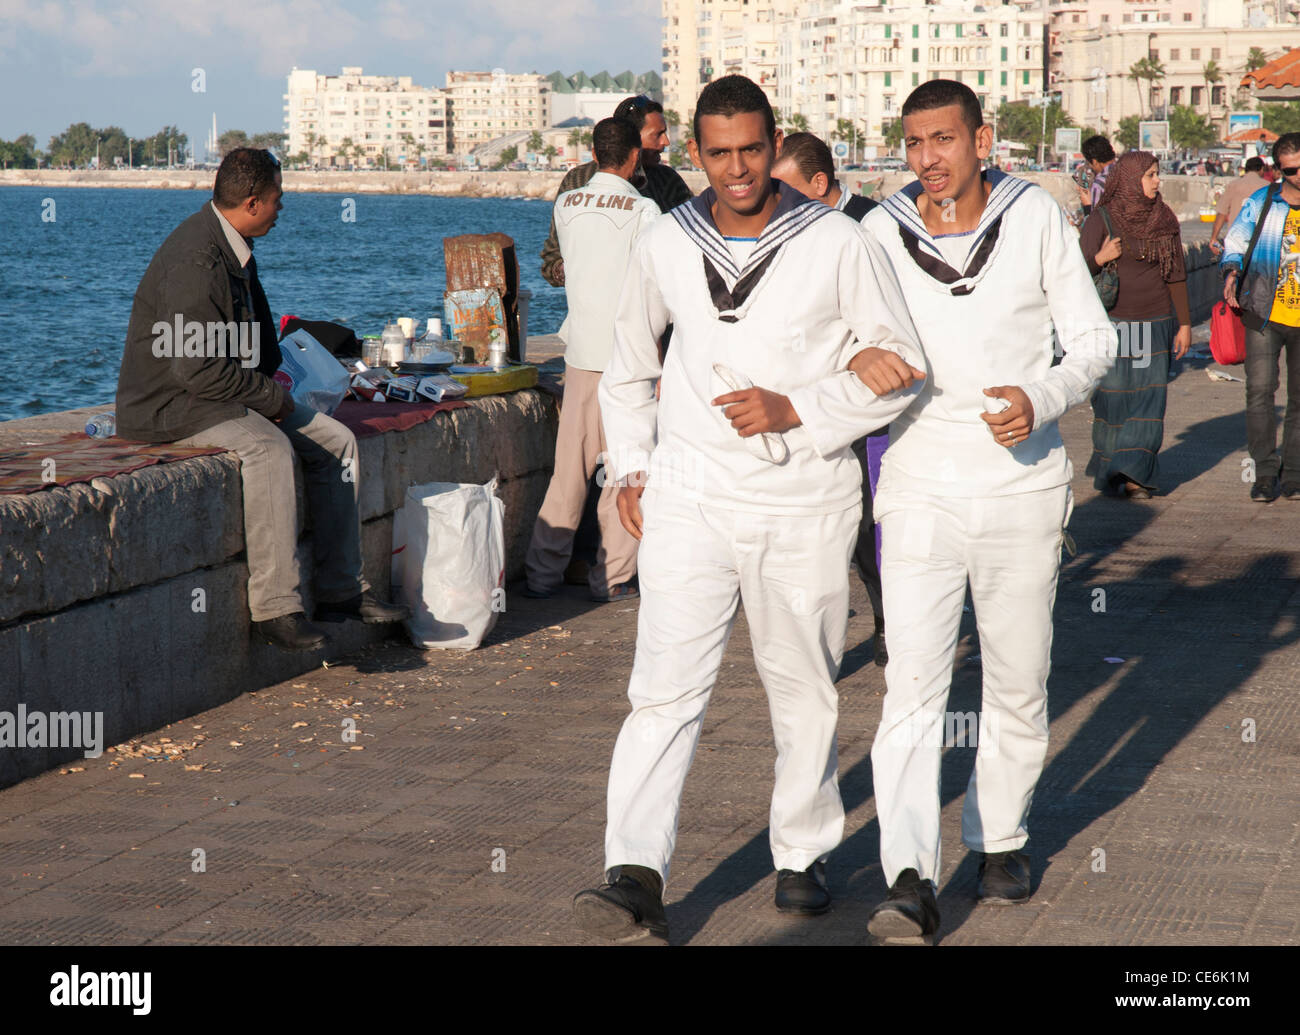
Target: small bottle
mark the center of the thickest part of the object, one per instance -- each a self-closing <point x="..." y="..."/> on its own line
<point x="102" y="426"/>
<point x="394" y="345"/>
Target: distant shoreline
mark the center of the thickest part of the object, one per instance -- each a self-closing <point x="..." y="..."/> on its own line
<point x="541" y="186"/>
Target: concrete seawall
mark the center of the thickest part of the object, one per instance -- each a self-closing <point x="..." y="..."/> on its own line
<point x="98" y="580"/>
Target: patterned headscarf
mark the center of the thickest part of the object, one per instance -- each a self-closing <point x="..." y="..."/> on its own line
<point x="1148" y="226"/>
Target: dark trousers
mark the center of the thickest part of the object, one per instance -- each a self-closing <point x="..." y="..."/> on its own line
<point x="1262" y="351"/>
<point x="865" y="553"/>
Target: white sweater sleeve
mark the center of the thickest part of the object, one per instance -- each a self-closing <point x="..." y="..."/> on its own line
<point x="628" y="405"/>
<point x="838" y="410"/>
<point x="1084" y="332"/>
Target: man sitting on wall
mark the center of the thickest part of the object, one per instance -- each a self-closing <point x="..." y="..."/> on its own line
<point x="205" y="392"/>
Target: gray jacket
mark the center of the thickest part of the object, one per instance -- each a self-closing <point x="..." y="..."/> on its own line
<point x="162" y="393"/>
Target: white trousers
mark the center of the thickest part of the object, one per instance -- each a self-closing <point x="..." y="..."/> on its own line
<point x="696" y="562"/>
<point x="1009" y="548"/>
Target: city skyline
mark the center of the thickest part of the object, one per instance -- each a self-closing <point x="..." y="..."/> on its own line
<point x="110" y="63"/>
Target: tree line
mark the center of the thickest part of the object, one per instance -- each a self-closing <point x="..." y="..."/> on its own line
<point x="77" y="146"/>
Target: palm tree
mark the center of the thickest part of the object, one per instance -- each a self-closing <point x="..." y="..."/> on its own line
<point x="1212" y="74"/>
<point x="550" y="153"/>
<point x="535" y="143"/>
<point x="1155" y="75"/>
<point x="798" y="123"/>
<point x="313" y="140"/>
<point x="1138" y="72"/>
<point x="1255" y="59"/>
<point x="419" y="152"/>
<point x="408" y="142"/>
<point x="575" y="139"/>
<point x="347" y="149"/>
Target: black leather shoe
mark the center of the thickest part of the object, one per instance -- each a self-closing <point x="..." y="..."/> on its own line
<point x="627" y="907"/>
<point x="910" y="916"/>
<point x="1004" y="878"/>
<point x="882" y="652"/>
<point x="1264" y="490"/>
<point x="1291" y="490"/>
<point x="290" y="632"/>
<point x="803" y="892"/>
<point x="366" y="606"/>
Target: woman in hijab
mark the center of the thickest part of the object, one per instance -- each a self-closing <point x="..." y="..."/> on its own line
<point x="1151" y="316"/>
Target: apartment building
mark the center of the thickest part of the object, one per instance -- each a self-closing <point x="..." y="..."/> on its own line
<point x="485" y="105"/>
<point x="1092" y="58"/>
<point x="829" y="60"/>
<point x="365" y="120"/>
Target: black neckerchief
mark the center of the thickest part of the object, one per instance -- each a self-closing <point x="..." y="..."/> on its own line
<point x="921" y="245"/>
<point x="794" y="213"/>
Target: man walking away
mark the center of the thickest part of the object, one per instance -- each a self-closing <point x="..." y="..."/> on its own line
<point x="597" y="225"/>
<point x="652" y="178"/>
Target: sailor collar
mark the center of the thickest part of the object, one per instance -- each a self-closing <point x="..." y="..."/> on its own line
<point x="794" y="213"/>
<point x="1006" y="190"/>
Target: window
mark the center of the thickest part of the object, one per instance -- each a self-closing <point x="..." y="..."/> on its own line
<point x="1196" y="95"/>
<point x="1215" y="53"/>
<point x="1004" y="79"/>
<point x="1105" y="17"/>
<point x="1175" y="95"/>
<point x="1004" y="53"/>
<point x="916" y="79"/>
<point x="1196" y="54"/>
<point x="889" y="31"/>
<point x="916" y="53"/>
<point x="981" y="81"/>
<point x="1216" y="94"/>
<point x="1187" y="16"/>
<point x="916" y="31"/>
<point x="959" y="30"/>
<point x="1074" y="18"/>
<point x="1173" y="54"/>
<point x="1003" y="29"/>
<point x="1026" y="78"/>
<point x="889" y="79"/>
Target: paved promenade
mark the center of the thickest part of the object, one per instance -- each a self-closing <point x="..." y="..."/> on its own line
<point x="470" y="806"/>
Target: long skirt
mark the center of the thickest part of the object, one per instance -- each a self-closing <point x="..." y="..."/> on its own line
<point x="1128" y="407"/>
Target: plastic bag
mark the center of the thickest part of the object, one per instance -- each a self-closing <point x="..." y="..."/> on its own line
<point x="313" y="377"/>
<point x="449" y="562"/>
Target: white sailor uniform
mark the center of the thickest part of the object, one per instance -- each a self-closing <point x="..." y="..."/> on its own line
<point x="723" y="522"/>
<point x="955" y="506"/>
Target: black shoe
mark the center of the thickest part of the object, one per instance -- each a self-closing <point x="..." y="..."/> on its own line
<point x="538" y="594"/>
<point x="803" y="892"/>
<point x="627" y="907"/>
<point x="290" y="632"/>
<point x="1264" y="490"/>
<point x="1291" y="490"/>
<point x="882" y="652"/>
<point x="366" y="606"/>
<point x="1003" y="878"/>
<point x="910" y="916"/>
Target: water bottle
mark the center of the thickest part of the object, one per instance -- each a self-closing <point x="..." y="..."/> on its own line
<point x="102" y="426"/>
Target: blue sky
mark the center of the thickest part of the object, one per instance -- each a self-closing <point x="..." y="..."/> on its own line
<point x="130" y="64"/>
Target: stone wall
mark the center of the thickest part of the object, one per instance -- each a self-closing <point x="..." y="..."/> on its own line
<point x="98" y="580"/>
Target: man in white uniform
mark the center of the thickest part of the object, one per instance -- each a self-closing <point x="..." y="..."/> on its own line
<point x="596" y="225"/>
<point x="991" y="270"/>
<point x="752" y="492"/>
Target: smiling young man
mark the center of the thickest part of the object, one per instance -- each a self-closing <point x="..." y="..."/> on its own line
<point x="752" y="492"/>
<point x="994" y="278"/>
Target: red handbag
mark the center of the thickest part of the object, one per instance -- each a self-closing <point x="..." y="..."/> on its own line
<point x="1227" y="335"/>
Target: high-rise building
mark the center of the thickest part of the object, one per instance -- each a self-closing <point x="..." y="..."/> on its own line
<point x="365" y="120"/>
<point x="485" y="105"/>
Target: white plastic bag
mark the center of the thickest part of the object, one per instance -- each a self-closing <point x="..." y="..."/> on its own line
<point x="449" y="562"/>
<point x="313" y="377"/>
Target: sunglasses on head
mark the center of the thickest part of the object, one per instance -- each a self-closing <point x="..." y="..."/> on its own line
<point x="271" y="155"/>
<point x="640" y="102"/>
